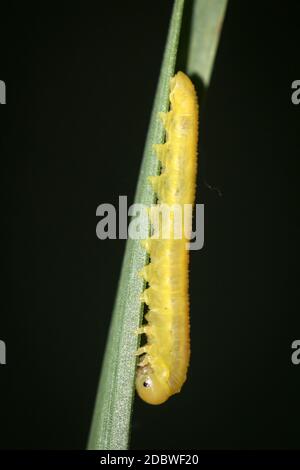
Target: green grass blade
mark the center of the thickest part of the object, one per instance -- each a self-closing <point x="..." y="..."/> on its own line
<point x="110" y="428"/>
<point x="206" y="25"/>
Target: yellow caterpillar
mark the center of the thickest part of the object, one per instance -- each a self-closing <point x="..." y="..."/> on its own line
<point x="165" y="358"/>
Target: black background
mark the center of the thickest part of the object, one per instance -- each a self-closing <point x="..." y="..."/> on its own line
<point x="80" y="84"/>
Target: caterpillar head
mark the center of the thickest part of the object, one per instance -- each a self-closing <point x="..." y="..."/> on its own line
<point x="152" y="388"/>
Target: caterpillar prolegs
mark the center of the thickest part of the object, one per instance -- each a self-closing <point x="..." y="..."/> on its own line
<point x="164" y="360"/>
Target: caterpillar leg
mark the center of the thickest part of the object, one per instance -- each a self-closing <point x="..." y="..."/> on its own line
<point x="141" y="330"/>
<point x="144" y="362"/>
<point x="146" y="244"/>
<point x="141" y="350"/>
<point x="144" y="272"/>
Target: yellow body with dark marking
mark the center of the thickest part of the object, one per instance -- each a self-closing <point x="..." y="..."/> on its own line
<point x="165" y="358"/>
